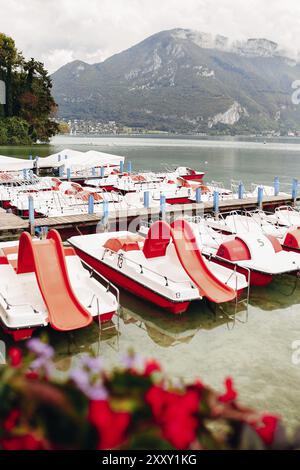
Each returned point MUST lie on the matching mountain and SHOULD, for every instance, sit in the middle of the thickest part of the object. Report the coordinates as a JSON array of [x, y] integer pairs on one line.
[[185, 81]]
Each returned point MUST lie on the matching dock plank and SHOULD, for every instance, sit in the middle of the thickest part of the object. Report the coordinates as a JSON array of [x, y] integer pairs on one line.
[[174, 210], [11, 222]]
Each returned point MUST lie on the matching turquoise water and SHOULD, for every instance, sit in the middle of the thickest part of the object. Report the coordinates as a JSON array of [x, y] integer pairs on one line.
[[201, 343]]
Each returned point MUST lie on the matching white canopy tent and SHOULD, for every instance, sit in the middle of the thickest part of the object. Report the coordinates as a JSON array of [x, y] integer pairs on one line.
[[106, 158], [58, 159], [79, 160], [14, 164]]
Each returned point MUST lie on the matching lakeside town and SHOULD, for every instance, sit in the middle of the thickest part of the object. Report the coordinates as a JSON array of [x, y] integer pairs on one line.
[[82, 127]]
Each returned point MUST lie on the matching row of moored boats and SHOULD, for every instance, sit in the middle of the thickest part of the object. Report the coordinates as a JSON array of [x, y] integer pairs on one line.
[[114, 190], [43, 282]]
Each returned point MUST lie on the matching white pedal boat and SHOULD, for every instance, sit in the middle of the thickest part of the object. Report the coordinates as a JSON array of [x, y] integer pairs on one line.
[[160, 268], [42, 284], [258, 222], [262, 255], [285, 216]]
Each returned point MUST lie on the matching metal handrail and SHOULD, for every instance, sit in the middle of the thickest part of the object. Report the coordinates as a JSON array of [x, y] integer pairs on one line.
[[145, 268], [109, 284], [9, 305]]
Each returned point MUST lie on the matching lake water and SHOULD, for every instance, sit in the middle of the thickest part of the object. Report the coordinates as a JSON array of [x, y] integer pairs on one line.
[[256, 161], [257, 353]]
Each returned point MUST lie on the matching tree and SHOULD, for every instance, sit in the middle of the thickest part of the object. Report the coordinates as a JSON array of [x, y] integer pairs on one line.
[[10, 59], [28, 92], [64, 128], [37, 103]]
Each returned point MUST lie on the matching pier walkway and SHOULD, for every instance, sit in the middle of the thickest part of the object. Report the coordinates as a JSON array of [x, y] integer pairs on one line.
[[12, 225]]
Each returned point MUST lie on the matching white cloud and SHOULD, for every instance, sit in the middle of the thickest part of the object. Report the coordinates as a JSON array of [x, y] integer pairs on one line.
[[57, 32]]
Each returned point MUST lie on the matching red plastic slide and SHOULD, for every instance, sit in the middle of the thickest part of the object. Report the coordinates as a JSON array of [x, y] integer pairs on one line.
[[190, 257], [47, 260], [193, 263]]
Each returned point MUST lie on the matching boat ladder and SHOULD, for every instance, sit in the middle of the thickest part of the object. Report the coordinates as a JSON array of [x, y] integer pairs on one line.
[[237, 302], [114, 324]]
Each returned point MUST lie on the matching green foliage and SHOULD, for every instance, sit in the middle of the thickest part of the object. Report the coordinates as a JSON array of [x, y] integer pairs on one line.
[[14, 131], [28, 113]]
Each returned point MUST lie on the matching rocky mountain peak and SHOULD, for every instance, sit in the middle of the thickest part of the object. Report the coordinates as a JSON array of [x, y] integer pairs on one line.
[[253, 47], [185, 80]]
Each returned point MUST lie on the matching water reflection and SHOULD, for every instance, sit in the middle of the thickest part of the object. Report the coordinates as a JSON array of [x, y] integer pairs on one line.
[[282, 293], [167, 330]]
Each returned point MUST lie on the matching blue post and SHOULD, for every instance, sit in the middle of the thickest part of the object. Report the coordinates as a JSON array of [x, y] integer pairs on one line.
[[105, 209], [241, 191], [93, 171], [129, 168], [31, 211], [260, 195], [44, 232], [30, 157], [216, 202], [198, 195], [162, 204], [147, 199], [122, 167], [61, 171], [276, 186], [58, 158], [91, 204], [68, 174], [24, 173], [102, 170], [295, 189]]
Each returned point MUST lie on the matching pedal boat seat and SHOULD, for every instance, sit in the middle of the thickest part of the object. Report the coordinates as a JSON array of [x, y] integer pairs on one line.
[[128, 243]]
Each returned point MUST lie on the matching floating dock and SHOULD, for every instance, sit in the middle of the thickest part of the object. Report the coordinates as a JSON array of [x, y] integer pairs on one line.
[[12, 225]]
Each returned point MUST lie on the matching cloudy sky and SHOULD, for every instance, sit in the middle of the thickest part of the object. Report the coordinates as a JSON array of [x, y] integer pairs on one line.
[[58, 31]]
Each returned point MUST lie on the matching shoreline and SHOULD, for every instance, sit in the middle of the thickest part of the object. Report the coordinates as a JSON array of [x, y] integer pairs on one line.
[[89, 139]]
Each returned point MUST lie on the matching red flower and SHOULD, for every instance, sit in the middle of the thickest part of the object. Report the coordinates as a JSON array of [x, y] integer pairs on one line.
[[179, 423], [230, 394], [175, 413], [151, 366], [266, 429], [31, 375], [111, 425], [15, 356], [156, 397], [180, 431], [198, 385], [11, 420], [27, 442]]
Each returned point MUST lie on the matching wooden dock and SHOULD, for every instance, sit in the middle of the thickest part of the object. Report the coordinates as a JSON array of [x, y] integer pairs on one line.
[[12, 225], [120, 220]]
